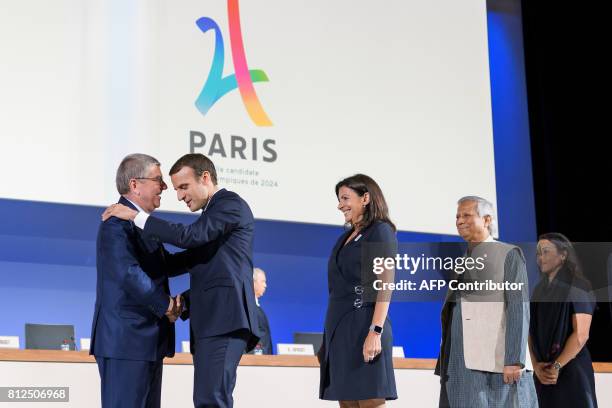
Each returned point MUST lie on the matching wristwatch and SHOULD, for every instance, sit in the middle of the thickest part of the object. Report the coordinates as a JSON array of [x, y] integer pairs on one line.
[[557, 365], [376, 329]]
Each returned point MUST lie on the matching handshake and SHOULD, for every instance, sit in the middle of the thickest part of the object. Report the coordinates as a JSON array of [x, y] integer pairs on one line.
[[175, 308]]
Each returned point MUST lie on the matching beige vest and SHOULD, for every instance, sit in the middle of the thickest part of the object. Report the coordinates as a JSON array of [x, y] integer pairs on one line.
[[483, 311]]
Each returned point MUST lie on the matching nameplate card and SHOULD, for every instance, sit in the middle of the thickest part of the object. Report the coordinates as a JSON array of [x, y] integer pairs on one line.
[[11, 342], [398, 351], [185, 347], [85, 343], [295, 349]]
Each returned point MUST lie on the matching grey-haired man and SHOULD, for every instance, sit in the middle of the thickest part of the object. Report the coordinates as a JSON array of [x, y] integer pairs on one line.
[[483, 358]]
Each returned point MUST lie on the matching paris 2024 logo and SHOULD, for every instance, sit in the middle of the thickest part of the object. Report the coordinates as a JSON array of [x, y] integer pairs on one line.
[[217, 85]]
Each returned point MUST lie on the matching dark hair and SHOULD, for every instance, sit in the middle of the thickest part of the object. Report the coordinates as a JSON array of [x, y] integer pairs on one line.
[[563, 244], [376, 209], [199, 163]]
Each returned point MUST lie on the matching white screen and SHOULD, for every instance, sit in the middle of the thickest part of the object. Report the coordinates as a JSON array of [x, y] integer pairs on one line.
[[398, 90]]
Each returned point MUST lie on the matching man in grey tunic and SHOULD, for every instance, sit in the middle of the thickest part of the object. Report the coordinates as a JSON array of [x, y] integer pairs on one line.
[[483, 355]]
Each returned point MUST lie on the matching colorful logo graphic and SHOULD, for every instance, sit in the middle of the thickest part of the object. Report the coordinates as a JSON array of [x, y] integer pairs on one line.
[[216, 85]]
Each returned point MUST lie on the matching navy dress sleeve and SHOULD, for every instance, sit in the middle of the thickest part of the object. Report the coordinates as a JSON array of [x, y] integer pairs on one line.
[[582, 299], [381, 243]]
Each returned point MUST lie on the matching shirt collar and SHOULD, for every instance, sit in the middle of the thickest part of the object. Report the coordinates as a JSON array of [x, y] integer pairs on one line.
[[210, 199], [137, 206]]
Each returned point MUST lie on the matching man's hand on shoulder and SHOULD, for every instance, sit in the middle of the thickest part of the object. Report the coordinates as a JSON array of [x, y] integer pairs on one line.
[[119, 211]]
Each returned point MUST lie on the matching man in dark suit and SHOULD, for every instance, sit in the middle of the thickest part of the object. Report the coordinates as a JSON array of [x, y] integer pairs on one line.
[[220, 302], [133, 323], [264, 346]]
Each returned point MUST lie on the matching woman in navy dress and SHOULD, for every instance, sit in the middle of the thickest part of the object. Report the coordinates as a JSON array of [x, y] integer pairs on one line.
[[356, 360], [561, 310]]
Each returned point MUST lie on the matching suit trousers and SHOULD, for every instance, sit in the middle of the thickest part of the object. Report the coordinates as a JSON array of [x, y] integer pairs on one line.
[[215, 361], [130, 383]]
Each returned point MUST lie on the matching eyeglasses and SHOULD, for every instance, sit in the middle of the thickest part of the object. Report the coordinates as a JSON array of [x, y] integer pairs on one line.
[[158, 179]]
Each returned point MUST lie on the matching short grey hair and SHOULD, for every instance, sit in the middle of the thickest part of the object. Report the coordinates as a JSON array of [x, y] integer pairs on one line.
[[133, 166], [484, 207], [257, 271]]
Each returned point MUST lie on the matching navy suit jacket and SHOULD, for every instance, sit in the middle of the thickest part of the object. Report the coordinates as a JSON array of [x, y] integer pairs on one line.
[[132, 294], [264, 328], [221, 298]]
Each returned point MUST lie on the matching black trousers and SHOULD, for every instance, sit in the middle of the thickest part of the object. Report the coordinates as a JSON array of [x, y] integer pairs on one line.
[[215, 361]]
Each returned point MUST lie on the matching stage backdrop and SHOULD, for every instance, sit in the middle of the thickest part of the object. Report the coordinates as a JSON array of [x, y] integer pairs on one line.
[[400, 92], [287, 97]]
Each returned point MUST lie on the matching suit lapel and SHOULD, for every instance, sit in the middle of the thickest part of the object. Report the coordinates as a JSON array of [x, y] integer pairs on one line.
[[339, 246]]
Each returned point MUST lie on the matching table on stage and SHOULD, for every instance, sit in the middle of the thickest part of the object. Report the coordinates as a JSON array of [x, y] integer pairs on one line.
[[272, 381]]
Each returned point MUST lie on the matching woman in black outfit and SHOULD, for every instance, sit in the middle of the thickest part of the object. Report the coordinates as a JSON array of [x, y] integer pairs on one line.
[[561, 310], [356, 360]]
